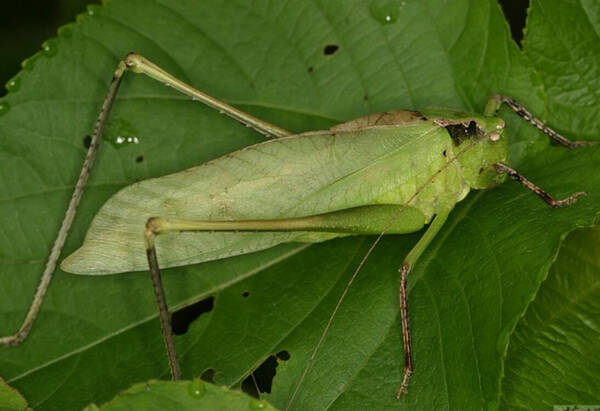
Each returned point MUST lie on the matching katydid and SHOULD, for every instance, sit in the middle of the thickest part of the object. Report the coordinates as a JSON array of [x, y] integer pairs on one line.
[[386, 173]]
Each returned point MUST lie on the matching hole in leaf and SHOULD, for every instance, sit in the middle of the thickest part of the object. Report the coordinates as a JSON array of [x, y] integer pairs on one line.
[[261, 379], [139, 159], [311, 69], [208, 376], [515, 12], [246, 294], [181, 319], [283, 355], [330, 49], [87, 140]]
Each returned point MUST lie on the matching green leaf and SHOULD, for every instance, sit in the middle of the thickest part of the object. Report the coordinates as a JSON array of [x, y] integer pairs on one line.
[[182, 395], [10, 399], [553, 354], [97, 336], [568, 62]]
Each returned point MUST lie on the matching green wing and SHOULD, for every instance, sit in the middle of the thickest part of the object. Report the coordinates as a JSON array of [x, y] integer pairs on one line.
[[301, 175]]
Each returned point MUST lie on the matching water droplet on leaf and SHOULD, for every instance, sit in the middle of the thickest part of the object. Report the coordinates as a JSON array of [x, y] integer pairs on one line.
[[258, 405], [27, 64], [4, 107], [121, 133], [196, 388], [13, 84], [49, 48], [66, 30], [385, 11], [121, 141], [93, 9]]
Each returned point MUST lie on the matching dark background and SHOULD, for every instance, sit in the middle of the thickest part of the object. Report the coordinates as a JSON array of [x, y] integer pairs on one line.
[[27, 23], [24, 26]]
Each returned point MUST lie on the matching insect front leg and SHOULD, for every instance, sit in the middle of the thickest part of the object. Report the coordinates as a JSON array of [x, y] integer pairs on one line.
[[407, 265], [496, 101]]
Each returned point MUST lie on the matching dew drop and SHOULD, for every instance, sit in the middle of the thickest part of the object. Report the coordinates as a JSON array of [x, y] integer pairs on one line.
[[93, 9], [197, 388], [49, 48], [122, 141], [258, 405], [121, 133], [66, 31], [27, 64], [13, 84], [385, 11], [4, 107]]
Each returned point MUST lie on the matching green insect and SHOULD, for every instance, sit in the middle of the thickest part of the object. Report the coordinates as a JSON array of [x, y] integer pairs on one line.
[[386, 173]]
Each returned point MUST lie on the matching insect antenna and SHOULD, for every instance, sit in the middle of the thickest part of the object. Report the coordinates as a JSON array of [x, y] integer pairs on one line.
[[364, 260]]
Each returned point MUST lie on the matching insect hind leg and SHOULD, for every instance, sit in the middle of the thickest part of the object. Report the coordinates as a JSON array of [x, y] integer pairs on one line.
[[161, 300], [140, 64], [47, 274], [409, 262]]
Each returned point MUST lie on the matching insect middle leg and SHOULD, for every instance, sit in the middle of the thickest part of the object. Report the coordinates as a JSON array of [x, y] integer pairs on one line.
[[409, 262], [544, 195]]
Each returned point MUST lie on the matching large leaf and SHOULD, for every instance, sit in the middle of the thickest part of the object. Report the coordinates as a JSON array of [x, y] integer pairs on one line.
[[96, 336], [552, 354], [557, 342]]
